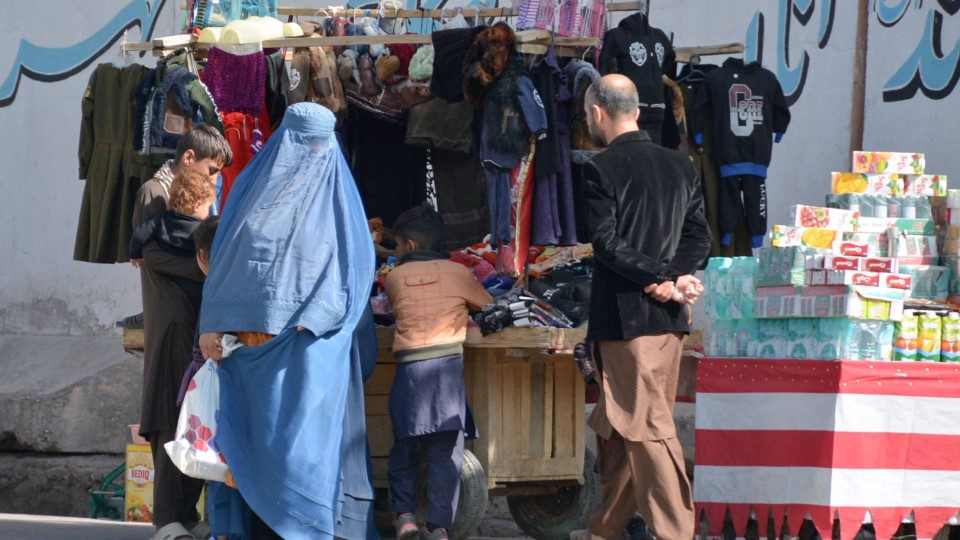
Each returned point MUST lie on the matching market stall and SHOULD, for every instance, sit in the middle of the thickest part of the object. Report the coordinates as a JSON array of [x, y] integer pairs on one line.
[[831, 370], [526, 391]]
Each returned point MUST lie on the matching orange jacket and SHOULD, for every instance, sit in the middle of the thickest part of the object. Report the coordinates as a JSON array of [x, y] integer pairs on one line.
[[430, 299]]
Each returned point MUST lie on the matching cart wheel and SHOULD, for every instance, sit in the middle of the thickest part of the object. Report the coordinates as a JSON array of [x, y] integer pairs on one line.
[[472, 506], [552, 517], [471, 509]]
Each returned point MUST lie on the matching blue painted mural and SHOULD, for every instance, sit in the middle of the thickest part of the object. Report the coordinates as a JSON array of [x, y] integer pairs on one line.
[[931, 69], [49, 64]]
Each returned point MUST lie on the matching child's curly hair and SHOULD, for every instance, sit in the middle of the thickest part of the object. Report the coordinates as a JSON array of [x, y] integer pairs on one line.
[[189, 190]]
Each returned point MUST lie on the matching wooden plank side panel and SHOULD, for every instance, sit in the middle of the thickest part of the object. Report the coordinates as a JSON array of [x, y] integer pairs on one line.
[[509, 414], [548, 414], [380, 435], [538, 410], [380, 380], [376, 404], [564, 408], [522, 388]]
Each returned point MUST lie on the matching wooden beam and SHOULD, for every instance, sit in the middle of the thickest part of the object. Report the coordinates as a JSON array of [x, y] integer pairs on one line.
[[346, 40], [625, 6], [685, 54], [173, 42], [394, 14], [859, 97]]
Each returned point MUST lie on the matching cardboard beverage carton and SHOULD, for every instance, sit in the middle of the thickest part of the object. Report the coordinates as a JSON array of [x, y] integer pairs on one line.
[[906, 336], [926, 185], [138, 487], [888, 162], [928, 343], [785, 236], [872, 184], [824, 218]]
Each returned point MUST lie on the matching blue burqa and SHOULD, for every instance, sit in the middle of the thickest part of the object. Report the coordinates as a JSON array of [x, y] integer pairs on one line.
[[293, 249]]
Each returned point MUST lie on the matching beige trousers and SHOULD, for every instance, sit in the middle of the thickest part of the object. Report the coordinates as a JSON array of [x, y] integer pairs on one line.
[[639, 457]]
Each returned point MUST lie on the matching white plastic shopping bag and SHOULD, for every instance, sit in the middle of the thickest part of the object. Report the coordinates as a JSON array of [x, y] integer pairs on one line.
[[194, 450]]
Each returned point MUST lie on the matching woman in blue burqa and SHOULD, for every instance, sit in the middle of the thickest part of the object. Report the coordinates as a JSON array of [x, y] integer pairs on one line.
[[291, 268]]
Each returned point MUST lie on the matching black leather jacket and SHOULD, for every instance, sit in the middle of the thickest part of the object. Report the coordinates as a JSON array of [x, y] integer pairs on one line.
[[647, 226]]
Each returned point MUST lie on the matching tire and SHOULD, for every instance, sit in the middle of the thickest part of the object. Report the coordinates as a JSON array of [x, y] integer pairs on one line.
[[472, 506], [552, 517], [471, 509]]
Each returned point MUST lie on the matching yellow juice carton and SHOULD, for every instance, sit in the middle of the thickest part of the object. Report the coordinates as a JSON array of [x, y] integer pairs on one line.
[[905, 337], [928, 344], [138, 503], [950, 343]]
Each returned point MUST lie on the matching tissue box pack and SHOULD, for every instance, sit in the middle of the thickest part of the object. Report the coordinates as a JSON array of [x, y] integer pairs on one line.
[[729, 284], [929, 282], [863, 245], [918, 227], [888, 162], [770, 339], [952, 264], [784, 266], [882, 205], [732, 339], [872, 303], [846, 262], [824, 218], [785, 236], [858, 277], [926, 185], [876, 184], [913, 250]]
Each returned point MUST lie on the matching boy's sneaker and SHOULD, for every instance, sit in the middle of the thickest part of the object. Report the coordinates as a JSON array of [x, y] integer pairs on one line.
[[406, 524], [437, 534]]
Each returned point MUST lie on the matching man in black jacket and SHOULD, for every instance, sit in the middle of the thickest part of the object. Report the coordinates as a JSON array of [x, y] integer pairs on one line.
[[649, 235]]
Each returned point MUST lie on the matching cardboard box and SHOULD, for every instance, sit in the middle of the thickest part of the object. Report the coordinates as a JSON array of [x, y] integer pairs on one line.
[[913, 250], [918, 227], [951, 243], [888, 162], [138, 487], [859, 277], [841, 262], [925, 185], [786, 236], [876, 184], [873, 303], [929, 282], [824, 218], [880, 264], [779, 266], [862, 245]]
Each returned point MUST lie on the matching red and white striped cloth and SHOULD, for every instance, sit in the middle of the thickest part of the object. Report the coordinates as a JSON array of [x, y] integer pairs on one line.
[[819, 437]]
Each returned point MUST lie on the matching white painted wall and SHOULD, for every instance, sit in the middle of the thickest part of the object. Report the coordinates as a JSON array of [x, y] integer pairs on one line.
[[43, 291]]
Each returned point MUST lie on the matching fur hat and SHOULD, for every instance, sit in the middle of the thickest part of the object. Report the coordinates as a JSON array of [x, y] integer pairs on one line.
[[490, 55], [386, 67], [346, 64]]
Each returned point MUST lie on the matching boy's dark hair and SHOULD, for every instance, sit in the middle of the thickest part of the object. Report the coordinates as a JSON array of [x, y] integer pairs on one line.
[[422, 225], [204, 233], [206, 142]]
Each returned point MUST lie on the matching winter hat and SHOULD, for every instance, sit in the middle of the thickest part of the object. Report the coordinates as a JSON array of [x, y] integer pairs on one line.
[[346, 64], [386, 67], [489, 57], [421, 65], [405, 52]]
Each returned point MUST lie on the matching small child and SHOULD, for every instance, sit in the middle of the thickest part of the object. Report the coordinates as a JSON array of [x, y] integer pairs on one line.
[[431, 297], [191, 196]]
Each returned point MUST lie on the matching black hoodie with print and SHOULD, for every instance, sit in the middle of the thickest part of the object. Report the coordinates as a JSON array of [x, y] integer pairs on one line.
[[643, 54], [748, 109]]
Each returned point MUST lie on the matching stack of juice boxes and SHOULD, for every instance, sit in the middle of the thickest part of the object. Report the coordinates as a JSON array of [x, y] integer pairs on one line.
[[834, 281]]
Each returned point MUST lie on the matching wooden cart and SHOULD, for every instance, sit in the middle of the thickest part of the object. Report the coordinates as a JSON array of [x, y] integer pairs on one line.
[[527, 398]]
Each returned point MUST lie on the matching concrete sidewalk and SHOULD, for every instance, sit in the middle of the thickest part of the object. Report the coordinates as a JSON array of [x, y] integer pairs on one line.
[[24, 527], [27, 527]]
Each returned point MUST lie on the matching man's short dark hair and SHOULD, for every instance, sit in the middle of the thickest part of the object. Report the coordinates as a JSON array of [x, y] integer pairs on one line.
[[204, 233], [206, 142], [615, 101], [422, 225]]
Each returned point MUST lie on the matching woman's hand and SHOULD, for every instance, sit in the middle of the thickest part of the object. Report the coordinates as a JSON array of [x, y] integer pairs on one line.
[[211, 347]]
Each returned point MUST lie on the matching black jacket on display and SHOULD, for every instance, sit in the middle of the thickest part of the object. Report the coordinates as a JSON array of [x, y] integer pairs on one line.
[[646, 222], [748, 109], [643, 54]]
